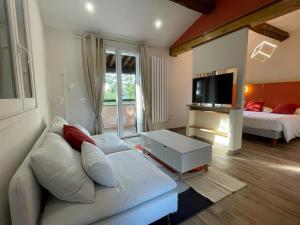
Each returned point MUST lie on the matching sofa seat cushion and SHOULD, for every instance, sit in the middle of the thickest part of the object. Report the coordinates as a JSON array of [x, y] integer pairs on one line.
[[110, 143], [139, 181]]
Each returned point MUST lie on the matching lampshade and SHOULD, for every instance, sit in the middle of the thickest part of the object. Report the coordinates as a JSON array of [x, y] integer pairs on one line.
[[263, 51]]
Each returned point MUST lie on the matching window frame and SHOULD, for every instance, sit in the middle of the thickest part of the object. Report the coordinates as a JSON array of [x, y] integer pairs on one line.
[[28, 103], [20, 104]]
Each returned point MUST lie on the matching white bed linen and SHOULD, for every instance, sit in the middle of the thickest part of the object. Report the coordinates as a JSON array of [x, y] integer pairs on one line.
[[288, 124]]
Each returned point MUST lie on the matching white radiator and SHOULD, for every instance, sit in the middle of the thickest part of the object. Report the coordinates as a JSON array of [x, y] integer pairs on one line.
[[160, 89]]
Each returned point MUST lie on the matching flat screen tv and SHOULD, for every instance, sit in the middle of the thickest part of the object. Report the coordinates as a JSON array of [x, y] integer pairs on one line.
[[213, 89]]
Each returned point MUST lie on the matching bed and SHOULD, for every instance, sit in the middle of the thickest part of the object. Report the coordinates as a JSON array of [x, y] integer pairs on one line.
[[271, 125]]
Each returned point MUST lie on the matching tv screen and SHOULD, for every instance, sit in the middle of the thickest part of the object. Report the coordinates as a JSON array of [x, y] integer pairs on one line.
[[213, 89]]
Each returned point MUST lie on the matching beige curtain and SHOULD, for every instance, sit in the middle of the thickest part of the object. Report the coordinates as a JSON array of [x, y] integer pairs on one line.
[[94, 70], [1, 61], [146, 88]]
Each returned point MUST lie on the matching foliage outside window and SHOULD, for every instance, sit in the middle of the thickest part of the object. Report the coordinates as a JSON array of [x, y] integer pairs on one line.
[[128, 89]]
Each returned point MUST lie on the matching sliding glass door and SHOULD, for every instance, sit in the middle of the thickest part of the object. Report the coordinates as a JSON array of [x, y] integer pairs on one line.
[[121, 112], [110, 106]]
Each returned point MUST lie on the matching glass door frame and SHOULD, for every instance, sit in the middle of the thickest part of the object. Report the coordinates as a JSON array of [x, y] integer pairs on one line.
[[120, 123]]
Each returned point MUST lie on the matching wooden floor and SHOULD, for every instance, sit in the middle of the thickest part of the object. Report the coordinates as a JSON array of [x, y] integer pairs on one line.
[[272, 194]]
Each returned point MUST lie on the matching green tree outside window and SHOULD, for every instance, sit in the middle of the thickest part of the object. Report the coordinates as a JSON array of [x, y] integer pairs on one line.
[[128, 86]]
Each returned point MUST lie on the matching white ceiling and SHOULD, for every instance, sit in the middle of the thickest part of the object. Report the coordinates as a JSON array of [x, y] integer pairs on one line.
[[254, 39], [131, 19], [289, 22]]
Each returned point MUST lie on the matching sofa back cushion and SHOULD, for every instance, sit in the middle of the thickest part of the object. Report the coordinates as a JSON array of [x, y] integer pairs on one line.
[[25, 193], [57, 125], [58, 168], [85, 131]]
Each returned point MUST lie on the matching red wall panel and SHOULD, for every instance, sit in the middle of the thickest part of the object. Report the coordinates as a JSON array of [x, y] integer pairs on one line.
[[225, 12], [274, 93]]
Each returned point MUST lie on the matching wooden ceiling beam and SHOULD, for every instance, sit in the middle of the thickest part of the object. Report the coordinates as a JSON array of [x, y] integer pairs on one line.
[[271, 31], [202, 6], [132, 63], [126, 60], [260, 16], [112, 60]]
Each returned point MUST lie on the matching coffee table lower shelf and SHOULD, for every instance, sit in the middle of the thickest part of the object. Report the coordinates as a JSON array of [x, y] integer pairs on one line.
[[179, 152], [168, 166]]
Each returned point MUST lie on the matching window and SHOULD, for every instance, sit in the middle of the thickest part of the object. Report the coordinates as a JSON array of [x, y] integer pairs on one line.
[[121, 111], [7, 80], [16, 73], [23, 48]]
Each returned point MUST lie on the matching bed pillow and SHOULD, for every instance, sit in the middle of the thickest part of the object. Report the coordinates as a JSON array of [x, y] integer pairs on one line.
[[57, 126], [297, 112], [97, 165], [255, 106], [285, 108], [267, 109], [58, 169], [75, 137]]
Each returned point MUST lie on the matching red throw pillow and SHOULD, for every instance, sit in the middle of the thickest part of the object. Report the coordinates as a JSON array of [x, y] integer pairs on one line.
[[75, 137], [285, 108], [255, 106]]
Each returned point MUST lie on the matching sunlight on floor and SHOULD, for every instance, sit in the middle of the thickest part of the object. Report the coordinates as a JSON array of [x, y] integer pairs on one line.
[[295, 169], [275, 166]]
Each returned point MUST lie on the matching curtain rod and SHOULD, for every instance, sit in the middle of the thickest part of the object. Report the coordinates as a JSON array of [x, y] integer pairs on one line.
[[112, 39]]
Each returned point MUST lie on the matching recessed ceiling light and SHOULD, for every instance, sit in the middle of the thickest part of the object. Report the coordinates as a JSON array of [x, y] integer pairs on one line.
[[89, 7], [158, 24]]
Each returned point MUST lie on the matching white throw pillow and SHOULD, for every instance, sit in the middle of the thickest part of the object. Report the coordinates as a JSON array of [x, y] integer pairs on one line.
[[97, 165], [297, 112], [85, 131], [58, 168], [57, 126]]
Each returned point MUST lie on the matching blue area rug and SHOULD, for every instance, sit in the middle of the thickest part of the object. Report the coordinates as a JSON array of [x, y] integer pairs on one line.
[[190, 203]]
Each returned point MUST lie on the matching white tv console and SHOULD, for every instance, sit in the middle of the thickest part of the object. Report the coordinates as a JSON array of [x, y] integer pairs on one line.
[[219, 125]]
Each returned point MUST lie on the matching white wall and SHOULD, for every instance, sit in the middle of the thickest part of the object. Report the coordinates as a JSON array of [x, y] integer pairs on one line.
[[18, 133], [64, 54], [180, 91], [229, 51], [225, 52], [159, 51], [282, 66], [180, 86]]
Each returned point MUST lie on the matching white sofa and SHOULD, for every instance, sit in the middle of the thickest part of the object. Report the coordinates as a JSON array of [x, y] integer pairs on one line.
[[144, 194]]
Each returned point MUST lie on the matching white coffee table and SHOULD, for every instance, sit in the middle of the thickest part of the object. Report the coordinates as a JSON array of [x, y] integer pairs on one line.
[[179, 152]]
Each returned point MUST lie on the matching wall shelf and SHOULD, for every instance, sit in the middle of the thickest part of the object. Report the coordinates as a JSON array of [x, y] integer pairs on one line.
[[220, 125], [213, 109]]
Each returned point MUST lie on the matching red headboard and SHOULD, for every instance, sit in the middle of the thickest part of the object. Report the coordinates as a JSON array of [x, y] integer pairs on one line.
[[274, 93]]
